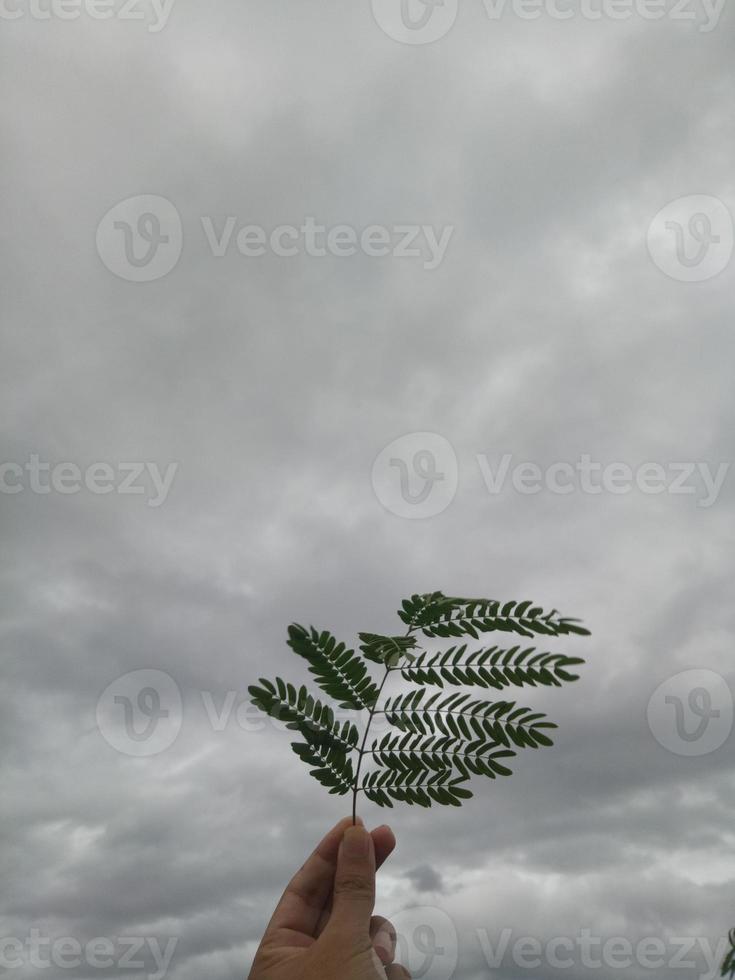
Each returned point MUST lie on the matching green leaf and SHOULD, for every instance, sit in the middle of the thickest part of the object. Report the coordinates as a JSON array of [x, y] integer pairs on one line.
[[417, 788], [338, 671], [479, 757], [491, 668], [302, 713], [501, 722], [438, 739], [388, 650], [438, 615], [333, 768]]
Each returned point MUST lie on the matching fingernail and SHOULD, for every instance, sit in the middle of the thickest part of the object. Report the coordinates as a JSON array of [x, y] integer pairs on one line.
[[356, 842]]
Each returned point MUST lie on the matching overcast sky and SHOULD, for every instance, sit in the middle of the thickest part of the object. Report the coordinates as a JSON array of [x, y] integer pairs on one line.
[[247, 247]]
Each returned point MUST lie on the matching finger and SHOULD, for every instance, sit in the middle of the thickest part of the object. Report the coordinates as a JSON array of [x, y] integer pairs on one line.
[[397, 972], [303, 901], [383, 935], [385, 843], [354, 887]]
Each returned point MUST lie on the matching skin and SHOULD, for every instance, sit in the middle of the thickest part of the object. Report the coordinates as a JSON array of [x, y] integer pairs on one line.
[[324, 927]]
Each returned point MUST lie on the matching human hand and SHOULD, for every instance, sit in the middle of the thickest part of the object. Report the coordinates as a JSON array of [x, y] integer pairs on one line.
[[323, 928]]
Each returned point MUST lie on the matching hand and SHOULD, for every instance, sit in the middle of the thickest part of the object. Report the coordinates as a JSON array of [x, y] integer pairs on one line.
[[323, 928]]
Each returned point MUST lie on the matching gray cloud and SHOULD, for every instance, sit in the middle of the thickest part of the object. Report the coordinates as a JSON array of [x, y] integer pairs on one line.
[[547, 332], [426, 879]]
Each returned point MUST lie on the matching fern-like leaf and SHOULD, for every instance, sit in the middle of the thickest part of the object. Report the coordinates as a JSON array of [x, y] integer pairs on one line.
[[338, 671], [437, 741], [438, 615], [479, 757], [493, 667], [333, 768], [303, 713], [420, 787], [458, 716]]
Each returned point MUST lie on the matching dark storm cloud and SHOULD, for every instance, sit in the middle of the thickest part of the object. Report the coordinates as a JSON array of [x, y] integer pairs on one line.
[[425, 879]]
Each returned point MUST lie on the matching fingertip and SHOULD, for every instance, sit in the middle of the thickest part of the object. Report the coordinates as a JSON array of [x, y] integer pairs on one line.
[[357, 842], [385, 832], [385, 842], [349, 822], [344, 824], [329, 845]]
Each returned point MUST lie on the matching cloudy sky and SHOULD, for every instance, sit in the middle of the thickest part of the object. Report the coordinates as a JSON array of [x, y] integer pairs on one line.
[[292, 293]]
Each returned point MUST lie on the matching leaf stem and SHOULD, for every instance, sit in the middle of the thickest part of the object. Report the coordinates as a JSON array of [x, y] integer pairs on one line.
[[362, 747], [373, 712]]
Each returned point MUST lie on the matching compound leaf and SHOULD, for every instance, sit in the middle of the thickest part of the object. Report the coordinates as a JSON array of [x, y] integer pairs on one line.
[[438, 740]]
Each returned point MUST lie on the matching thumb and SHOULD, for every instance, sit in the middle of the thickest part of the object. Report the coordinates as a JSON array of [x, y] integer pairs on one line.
[[354, 884]]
